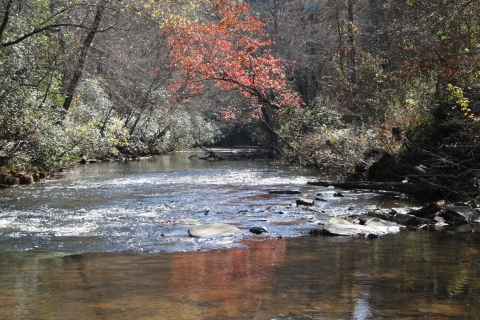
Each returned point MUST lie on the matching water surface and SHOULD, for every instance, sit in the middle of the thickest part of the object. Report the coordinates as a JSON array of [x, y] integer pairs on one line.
[[105, 242]]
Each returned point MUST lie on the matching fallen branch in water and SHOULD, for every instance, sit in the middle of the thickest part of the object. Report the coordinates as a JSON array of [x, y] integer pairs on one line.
[[412, 188]]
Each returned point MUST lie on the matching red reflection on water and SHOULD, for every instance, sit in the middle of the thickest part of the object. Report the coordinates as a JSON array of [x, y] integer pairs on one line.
[[233, 281]]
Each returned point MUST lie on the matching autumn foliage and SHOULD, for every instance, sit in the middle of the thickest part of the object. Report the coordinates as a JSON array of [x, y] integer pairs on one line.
[[233, 53]]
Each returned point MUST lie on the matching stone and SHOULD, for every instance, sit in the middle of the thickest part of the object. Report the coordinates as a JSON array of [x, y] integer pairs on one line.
[[382, 225], [341, 227], [379, 213], [305, 202], [459, 212], [427, 210], [374, 226], [473, 217], [404, 218], [214, 230], [258, 230]]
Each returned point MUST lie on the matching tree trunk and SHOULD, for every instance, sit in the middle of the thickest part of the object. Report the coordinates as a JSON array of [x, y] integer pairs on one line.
[[83, 54], [6, 17], [352, 75]]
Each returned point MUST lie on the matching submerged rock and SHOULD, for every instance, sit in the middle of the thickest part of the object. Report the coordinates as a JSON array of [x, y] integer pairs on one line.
[[214, 230]]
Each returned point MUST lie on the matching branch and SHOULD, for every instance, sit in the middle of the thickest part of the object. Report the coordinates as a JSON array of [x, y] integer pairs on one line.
[[39, 30], [250, 90]]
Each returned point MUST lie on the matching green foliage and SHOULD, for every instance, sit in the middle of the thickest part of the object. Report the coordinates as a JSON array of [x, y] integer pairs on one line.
[[296, 123], [180, 133], [29, 89], [457, 95]]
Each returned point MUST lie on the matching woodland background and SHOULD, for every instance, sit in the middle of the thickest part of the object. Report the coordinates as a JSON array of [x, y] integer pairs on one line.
[[372, 90]]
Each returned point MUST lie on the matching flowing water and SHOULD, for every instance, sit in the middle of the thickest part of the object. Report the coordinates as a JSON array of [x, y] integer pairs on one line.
[[107, 242]]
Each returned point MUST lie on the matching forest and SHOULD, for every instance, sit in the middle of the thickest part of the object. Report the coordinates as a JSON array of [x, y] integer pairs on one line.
[[361, 90]]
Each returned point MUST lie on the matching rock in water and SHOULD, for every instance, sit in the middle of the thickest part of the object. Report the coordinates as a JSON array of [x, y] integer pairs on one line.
[[305, 202], [258, 230], [214, 230], [374, 226], [404, 218]]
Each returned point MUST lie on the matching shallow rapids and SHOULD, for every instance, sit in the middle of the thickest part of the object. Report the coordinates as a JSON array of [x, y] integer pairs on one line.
[[136, 206]]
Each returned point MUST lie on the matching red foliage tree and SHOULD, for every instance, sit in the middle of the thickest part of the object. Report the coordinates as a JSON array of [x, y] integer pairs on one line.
[[232, 52]]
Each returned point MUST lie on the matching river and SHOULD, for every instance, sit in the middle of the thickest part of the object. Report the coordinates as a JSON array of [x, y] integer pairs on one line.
[[107, 242]]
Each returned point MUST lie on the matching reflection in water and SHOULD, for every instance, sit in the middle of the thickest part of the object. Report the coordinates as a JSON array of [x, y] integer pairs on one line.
[[362, 308], [409, 275], [230, 281], [72, 249]]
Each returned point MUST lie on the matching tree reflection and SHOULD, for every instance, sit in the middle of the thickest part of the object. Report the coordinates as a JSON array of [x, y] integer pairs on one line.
[[233, 281]]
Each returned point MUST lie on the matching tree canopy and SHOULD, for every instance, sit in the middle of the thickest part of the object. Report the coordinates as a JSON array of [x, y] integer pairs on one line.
[[334, 84]]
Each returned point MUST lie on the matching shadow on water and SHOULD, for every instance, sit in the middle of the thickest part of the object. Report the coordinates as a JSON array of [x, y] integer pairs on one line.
[[105, 243]]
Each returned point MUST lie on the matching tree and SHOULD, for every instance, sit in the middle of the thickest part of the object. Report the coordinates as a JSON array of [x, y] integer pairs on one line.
[[84, 49], [233, 53]]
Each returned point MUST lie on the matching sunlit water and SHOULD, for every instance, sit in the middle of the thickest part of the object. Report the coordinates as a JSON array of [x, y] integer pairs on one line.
[[105, 242], [136, 206]]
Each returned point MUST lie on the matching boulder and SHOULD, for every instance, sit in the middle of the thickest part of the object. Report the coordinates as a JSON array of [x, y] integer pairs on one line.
[[462, 212], [404, 218], [382, 225], [374, 226], [214, 230], [341, 227]]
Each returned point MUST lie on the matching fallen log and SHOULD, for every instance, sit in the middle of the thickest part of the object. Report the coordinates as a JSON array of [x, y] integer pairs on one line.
[[411, 188]]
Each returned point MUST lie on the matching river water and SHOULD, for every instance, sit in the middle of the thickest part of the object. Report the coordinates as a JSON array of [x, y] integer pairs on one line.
[[107, 242]]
